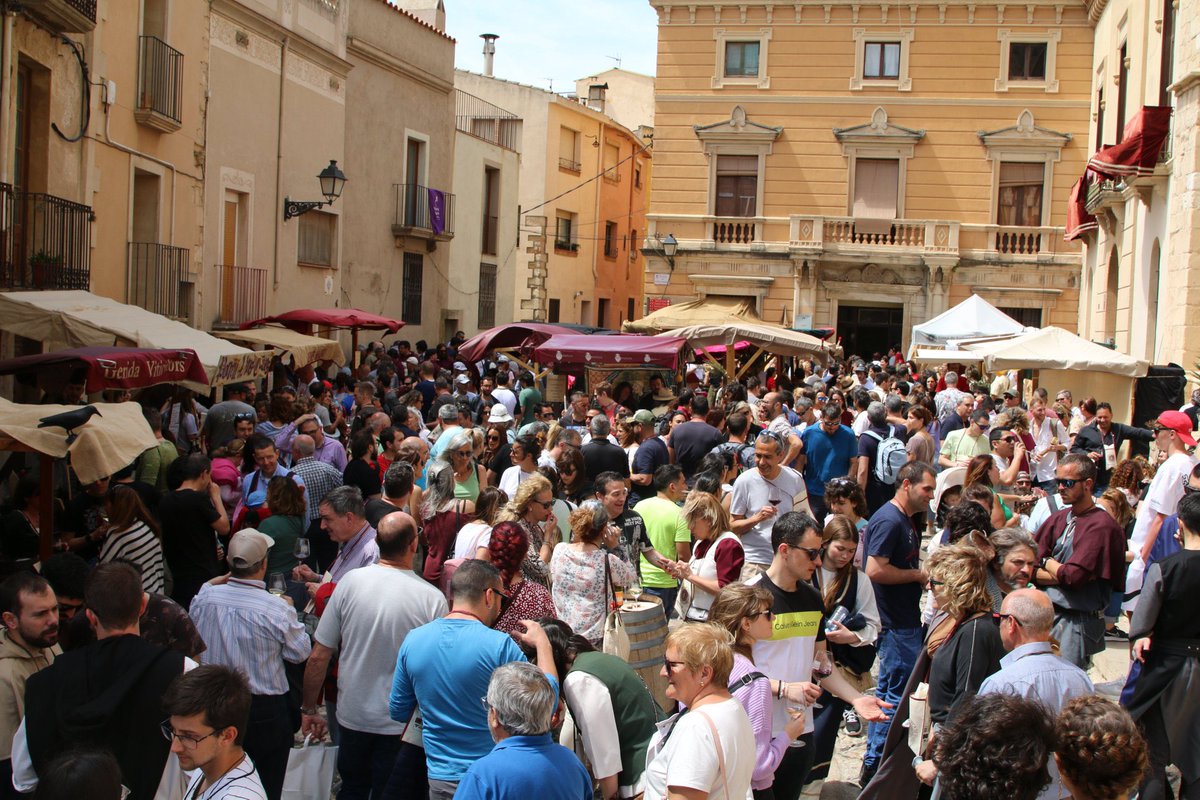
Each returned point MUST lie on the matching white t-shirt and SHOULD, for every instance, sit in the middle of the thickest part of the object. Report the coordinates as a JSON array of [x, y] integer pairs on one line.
[[1051, 430], [368, 616], [592, 716], [1163, 496], [751, 491], [471, 537], [512, 478], [688, 757], [860, 424], [505, 396]]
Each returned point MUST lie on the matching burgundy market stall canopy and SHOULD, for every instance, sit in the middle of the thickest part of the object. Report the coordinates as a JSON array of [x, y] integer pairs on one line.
[[110, 367], [517, 334], [1142, 141], [620, 351], [303, 319]]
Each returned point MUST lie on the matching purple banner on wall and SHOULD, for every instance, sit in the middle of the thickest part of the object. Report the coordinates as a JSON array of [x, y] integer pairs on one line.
[[437, 211]]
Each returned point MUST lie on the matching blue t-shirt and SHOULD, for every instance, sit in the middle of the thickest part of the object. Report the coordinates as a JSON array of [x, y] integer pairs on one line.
[[651, 454], [444, 667], [891, 535], [826, 456], [521, 767]]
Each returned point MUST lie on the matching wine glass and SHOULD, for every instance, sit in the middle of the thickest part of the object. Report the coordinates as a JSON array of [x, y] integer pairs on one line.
[[822, 666], [302, 549], [277, 584], [634, 590]]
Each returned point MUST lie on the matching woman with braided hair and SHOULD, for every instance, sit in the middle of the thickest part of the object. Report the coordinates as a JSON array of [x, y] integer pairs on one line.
[[508, 548], [1101, 754]]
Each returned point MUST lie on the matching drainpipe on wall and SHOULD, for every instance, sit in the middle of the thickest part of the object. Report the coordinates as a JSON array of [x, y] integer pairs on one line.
[[6, 61], [283, 54]]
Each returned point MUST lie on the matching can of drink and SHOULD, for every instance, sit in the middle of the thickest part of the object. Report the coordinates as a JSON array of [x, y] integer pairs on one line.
[[839, 616]]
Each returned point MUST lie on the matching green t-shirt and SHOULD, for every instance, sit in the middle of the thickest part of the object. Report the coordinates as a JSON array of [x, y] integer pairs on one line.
[[665, 527], [529, 401]]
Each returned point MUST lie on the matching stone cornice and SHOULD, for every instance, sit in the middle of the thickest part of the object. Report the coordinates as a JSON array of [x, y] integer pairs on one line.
[[385, 60], [297, 43], [733, 12]]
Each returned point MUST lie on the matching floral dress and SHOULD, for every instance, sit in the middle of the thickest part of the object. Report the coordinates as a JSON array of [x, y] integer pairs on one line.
[[529, 601], [533, 568], [581, 595]]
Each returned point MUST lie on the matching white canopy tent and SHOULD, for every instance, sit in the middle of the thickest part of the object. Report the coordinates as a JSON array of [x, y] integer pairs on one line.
[[1056, 349], [970, 319], [81, 319]]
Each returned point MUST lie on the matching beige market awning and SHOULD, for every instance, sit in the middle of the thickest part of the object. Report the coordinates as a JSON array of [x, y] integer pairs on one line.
[[83, 319], [298, 347], [709, 311], [775, 340], [1055, 348], [106, 443]]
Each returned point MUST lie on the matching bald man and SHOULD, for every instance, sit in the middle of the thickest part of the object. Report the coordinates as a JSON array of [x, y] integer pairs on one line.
[[1031, 669]]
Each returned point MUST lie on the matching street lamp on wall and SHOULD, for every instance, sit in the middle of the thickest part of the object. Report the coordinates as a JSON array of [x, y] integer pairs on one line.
[[332, 181], [668, 247]]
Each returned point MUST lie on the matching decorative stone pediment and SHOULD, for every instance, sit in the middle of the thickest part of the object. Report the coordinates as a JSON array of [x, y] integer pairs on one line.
[[737, 129], [878, 131], [1025, 134]]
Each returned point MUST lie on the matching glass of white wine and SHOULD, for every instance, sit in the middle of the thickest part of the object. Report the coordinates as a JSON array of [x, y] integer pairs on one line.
[[302, 549], [277, 584], [634, 590]]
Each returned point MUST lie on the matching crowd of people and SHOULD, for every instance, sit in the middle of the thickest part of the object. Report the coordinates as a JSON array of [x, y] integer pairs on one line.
[[421, 559]]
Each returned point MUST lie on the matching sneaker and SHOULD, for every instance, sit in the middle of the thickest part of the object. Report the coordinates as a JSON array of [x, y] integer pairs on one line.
[[1115, 634], [853, 723]]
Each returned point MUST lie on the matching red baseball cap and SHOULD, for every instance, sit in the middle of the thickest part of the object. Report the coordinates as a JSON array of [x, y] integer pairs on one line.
[[1180, 423]]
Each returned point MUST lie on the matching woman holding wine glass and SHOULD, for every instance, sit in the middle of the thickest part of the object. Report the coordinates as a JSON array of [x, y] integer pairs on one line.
[[286, 524], [718, 557]]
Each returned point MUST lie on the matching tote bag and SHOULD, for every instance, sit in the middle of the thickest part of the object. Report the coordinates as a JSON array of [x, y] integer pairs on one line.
[[309, 771]]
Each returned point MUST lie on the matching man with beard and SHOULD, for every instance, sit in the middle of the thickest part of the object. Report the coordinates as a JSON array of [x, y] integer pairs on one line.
[[1014, 564], [28, 643]]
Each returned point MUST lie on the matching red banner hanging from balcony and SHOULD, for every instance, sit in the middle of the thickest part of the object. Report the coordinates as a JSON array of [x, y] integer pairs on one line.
[[1137, 154], [1079, 221]]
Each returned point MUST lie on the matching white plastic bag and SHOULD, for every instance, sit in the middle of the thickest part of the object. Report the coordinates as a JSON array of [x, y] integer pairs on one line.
[[309, 771]]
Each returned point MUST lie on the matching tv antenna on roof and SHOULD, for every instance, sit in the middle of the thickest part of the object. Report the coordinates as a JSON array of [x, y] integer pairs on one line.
[[616, 59], [551, 81]]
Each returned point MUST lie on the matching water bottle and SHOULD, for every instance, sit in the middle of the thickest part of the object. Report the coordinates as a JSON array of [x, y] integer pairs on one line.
[[839, 616]]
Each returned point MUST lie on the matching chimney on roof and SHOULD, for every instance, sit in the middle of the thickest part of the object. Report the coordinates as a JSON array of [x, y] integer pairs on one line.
[[489, 51]]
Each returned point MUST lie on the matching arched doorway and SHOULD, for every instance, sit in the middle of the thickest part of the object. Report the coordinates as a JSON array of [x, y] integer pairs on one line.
[[1110, 295]]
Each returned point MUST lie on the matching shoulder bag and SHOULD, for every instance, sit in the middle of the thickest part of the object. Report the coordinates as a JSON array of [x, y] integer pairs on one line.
[[616, 640]]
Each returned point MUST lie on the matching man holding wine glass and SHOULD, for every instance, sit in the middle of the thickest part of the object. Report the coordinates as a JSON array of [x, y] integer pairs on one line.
[[795, 657], [760, 495]]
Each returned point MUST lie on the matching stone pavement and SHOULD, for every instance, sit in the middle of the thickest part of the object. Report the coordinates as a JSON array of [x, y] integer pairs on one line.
[[1107, 673]]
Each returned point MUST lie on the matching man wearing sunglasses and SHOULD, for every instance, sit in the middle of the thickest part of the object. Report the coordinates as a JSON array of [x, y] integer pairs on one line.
[[1101, 440], [220, 422], [962, 445], [444, 667], [798, 634], [1081, 552]]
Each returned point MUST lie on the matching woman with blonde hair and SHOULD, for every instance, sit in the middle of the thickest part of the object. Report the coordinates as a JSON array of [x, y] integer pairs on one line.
[[707, 751], [532, 507], [745, 611], [963, 643], [585, 574], [718, 556]]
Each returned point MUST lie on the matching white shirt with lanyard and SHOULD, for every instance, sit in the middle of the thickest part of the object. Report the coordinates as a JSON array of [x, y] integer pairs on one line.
[[239, 783]]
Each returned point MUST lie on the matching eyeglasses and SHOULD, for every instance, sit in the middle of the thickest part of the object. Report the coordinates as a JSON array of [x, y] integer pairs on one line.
[[542, 503], [244, 416], [1001, 617], [464, 453], [1067, 483], [672, 665], [187, 740], [505, 600], [768, 613], [813, 553], [486, 704]]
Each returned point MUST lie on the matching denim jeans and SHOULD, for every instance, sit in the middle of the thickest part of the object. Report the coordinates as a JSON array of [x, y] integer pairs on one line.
[[365, 762], [898, 649], [666, 595]]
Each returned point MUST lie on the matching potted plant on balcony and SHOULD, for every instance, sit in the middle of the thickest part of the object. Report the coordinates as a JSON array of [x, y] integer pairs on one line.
[[42, 266]]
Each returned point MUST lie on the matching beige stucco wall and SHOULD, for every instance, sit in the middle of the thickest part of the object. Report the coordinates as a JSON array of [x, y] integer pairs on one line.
[[953, 63], [268, 138], [401, 86], [472, 156], [629, 99]]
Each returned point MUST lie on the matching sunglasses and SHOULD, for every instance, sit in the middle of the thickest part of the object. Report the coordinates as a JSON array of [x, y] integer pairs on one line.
[[1066, 483], [768, 613], [813, 553], [935, 583], [244, 417], [672, 665], [546, 504], [1001, 617]]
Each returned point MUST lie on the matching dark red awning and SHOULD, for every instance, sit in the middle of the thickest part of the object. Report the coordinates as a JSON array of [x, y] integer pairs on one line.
[[618, 350], [518, 334], [1137, 154], [111, 367], [302, 320], [1079, 221]]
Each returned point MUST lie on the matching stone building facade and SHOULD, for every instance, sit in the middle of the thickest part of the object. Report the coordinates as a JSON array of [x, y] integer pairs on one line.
[[866, 166]]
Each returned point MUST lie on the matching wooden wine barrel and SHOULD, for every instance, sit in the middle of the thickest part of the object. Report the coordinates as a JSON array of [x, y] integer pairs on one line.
[[646, 626]]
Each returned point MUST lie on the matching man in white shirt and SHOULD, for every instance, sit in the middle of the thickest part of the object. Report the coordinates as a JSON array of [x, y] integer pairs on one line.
[[1172, 435], [366, 621], [760, 495], [503, 393], [1050, 438], [209, 711]]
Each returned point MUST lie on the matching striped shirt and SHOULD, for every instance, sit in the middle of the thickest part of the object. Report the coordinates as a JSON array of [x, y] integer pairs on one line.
[[248, 629], [139, 545], [240, 783], [319, 480]]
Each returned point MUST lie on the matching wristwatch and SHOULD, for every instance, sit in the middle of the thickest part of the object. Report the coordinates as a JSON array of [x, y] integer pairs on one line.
[[310, 711]]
